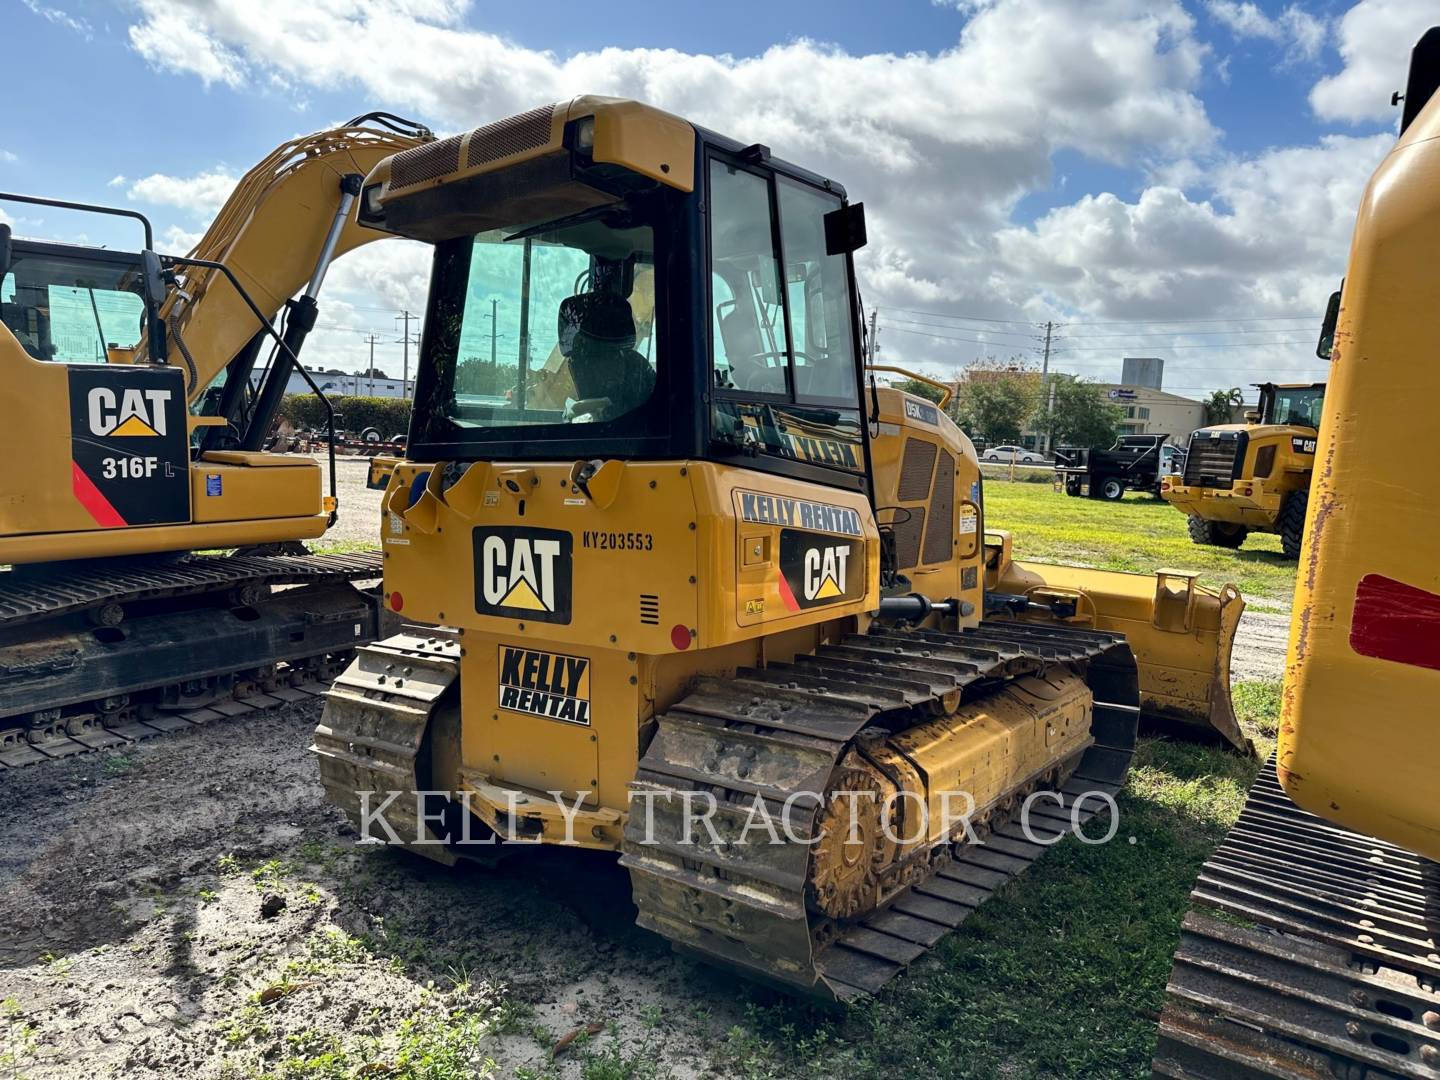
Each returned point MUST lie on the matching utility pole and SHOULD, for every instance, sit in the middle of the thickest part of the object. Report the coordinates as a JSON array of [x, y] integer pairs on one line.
[[370, 372], [874, 334], [494, 325], [1048, 387], [405, 368]]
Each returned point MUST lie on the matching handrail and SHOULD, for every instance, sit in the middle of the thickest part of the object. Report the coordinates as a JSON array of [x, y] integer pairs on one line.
[[945, 392]]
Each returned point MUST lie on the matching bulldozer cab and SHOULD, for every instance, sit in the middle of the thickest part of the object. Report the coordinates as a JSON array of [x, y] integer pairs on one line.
[[1296, 405], [580, 308]]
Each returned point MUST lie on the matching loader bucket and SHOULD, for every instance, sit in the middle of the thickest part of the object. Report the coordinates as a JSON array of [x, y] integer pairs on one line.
[[1181, 633]]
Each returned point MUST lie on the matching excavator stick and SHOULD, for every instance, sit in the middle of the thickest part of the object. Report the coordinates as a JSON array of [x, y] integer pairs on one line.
[[1181, 633]]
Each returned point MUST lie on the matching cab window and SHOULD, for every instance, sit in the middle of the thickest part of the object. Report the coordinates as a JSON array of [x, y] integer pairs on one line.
[[782, 337], [70, 308]]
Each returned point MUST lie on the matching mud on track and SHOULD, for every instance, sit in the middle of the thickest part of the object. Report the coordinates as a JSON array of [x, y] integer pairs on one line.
[[131, 890]]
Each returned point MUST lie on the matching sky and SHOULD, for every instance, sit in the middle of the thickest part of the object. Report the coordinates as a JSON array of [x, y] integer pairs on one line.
[[1172, 178]]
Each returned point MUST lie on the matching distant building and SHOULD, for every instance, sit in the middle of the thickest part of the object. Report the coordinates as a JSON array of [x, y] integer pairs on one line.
[[1151, 411], [1147, 371], [343, 384]]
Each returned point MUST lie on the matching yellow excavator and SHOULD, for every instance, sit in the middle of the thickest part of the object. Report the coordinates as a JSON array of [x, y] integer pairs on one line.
[[1314, 949], [694, 589], [138, 392]]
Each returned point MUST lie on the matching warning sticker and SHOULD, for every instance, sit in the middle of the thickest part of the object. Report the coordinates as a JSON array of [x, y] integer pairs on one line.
[[551, 685], [213, 485]]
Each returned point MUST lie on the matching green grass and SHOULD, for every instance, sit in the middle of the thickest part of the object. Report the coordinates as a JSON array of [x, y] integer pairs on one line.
[[1139, 533], [1062, 973]]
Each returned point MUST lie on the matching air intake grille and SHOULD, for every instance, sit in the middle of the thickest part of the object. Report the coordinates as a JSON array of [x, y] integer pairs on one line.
[[939, 538], [909, 524], [915, 470], [510, 136], [649, 609], [1211, 462], [421, 163]]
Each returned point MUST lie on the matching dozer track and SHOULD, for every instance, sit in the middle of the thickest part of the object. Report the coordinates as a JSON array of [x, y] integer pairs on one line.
[[783, 730], [98, 655], [1324, 962]]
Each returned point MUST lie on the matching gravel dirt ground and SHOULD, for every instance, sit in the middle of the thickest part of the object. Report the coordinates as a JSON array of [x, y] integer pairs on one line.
[[132, 887]]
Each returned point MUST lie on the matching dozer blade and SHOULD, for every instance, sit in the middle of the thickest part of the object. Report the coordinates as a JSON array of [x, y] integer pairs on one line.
[[1181, 635]]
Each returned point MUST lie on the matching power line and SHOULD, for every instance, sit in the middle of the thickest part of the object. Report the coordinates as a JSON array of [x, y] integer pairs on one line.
[[1113, 349], [968, 318], [1310, 318]]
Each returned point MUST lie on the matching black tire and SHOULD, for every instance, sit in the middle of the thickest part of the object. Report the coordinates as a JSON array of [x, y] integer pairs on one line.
[[1291, 523], [1112, 489], [370, 434], [1072, 485], [1216, 533]]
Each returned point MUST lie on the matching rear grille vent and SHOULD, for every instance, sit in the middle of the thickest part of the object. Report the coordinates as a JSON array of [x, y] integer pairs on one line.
[[421, 163], [512, 136], [915, 470], [1211, 462], [649, 609]]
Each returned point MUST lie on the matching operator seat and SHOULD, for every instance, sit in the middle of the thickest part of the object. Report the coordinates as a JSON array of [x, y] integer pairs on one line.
[[597, 336]]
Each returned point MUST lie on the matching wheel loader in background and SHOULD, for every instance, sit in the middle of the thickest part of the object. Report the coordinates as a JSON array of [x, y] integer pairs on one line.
[[691, 554], [1314, 950], [1252, 477], [136, 438]]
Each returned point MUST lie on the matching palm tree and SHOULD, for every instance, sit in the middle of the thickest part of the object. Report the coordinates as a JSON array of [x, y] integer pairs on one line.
[[1222, 405]]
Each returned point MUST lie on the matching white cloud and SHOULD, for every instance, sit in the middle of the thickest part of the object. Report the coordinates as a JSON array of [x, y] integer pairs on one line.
[[1294, 27], [1270, 241], [118, 180], [942, 147], [201, 195], [8, 157], [1375, 39], [60, 18]]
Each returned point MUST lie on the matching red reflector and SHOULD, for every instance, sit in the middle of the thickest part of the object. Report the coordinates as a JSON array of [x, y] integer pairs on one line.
[[397, 601], [680, 636], [1395, 621]]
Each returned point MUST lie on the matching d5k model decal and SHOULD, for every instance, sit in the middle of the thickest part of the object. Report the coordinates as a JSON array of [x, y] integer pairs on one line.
[[129, 450], [816, 569], [523, 573]]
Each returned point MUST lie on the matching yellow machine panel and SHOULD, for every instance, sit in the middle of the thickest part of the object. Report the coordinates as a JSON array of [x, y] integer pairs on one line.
[[1357, 739]]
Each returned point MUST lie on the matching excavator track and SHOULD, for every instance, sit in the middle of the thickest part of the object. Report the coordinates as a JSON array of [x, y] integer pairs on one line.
[[97, 655], [1324, 961], [776, 732]]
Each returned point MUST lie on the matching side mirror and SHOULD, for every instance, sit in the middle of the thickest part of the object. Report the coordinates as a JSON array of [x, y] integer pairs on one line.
[[4, 250], [154, 272], [845, 229], [1326, 345]]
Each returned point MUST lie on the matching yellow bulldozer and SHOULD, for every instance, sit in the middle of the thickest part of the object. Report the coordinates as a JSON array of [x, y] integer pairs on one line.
[[1252, 477], [138, 392], [693, 588], [1314, 949]]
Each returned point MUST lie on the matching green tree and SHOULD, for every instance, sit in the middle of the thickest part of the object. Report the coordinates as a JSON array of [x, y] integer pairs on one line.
[[475, 375], [1220, 405], [921, 389], [994, 401], [1079, 414]]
